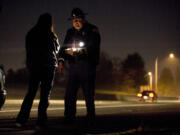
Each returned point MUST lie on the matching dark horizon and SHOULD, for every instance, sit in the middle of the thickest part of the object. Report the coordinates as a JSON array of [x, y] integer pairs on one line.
[[151, 28]]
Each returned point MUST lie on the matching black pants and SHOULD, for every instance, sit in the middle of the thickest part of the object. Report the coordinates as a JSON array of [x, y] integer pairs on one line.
[[44, 79], [80, 75]]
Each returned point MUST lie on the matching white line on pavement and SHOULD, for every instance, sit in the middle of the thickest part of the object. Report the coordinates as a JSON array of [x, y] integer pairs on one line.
[[97, 107], [19, 101]]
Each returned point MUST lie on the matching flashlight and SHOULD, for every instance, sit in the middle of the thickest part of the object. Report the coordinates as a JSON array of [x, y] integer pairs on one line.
[[77, 47], [81, 44]]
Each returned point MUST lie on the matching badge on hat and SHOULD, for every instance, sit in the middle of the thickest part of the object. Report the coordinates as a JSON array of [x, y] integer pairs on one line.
[[77, 13]]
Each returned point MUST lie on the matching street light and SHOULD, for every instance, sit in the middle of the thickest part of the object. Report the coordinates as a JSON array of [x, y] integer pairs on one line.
[[171, 56], [150, 80]]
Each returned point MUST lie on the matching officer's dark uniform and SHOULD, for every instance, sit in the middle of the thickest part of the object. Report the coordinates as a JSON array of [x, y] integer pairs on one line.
[[82, 68], [42, 48]]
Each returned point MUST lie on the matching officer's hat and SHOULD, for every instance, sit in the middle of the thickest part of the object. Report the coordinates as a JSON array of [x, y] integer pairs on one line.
[[77, 13]]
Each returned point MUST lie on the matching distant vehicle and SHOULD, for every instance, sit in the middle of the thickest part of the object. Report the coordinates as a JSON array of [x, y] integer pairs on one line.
[[147, 95], [2, 87]]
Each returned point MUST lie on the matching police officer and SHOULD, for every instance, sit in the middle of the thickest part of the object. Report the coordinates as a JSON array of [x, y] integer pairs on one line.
[[42, 48], [81, 49]]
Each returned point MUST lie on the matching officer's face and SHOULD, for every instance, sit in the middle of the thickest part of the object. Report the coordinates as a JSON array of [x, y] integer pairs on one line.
[[78, 23]]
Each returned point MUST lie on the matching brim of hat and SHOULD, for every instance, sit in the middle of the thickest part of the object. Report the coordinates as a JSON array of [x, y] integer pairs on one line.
[[71, 18]]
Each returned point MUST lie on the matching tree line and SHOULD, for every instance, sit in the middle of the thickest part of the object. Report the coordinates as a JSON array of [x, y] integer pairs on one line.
[[113, 73]]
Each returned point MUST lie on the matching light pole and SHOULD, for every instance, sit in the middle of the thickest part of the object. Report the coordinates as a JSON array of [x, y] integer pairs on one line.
[[156, 74], [171, 56], [150, 80]]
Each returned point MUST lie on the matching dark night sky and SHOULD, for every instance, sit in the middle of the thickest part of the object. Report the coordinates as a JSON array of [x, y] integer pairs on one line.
[[149, 27]]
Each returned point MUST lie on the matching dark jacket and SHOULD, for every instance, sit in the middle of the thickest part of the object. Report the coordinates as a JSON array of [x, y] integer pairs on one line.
[[42, 48], [89, 34], [2, 79]]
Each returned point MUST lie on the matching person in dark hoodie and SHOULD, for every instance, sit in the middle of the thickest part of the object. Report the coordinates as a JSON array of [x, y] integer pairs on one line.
[[81, 49], [42, 50]]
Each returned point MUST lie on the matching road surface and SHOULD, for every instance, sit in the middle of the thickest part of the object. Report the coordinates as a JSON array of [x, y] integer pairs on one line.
[[113, 117]]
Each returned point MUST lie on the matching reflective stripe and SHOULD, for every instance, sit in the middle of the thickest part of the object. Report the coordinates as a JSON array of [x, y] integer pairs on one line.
[[60, 59]]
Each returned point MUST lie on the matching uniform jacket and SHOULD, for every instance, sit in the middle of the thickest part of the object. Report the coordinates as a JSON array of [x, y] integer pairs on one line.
[[90, 36]]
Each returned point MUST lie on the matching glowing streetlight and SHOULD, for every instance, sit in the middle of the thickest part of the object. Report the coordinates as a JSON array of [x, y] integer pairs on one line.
[[149, 73], [171, 56]]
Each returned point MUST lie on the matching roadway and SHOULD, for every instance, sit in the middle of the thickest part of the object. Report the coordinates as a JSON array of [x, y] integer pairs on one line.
[[112, 117]]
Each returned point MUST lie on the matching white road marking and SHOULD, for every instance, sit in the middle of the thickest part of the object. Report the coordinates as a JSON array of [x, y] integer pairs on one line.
[[97, 107], [19, 101]]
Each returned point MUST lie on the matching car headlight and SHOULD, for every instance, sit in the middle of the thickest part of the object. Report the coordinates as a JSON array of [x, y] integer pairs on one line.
[[145, 97], [139, 95]]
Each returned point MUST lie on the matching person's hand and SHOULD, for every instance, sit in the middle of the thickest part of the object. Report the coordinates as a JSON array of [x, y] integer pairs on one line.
[[81, 51], [69, 51], [60, 68]]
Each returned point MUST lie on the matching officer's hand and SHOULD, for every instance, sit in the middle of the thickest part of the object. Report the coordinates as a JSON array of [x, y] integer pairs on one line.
[[70, 51], [81, 51], [60, 68]]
